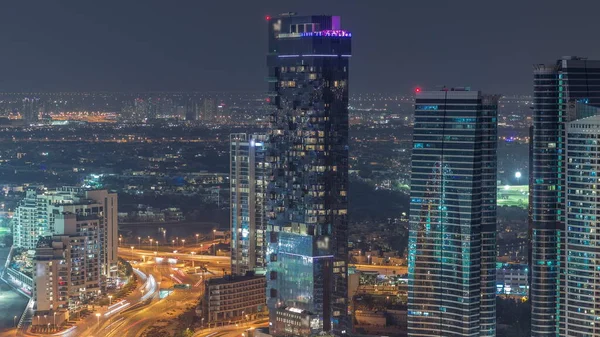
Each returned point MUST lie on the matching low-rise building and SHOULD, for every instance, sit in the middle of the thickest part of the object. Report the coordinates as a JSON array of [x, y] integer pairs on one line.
[[295, 322], [512, 279], [234, 298]]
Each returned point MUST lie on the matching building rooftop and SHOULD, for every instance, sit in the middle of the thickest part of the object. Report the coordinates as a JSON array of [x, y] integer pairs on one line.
[[233, 279]]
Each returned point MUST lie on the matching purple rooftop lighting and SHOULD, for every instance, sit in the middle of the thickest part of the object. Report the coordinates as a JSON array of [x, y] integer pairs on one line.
[[336, 33]]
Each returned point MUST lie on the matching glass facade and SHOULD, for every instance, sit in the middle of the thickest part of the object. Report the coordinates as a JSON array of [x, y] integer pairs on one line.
[[558, 91], [307, 202], [581, 268], [452, 234], [248, 176]]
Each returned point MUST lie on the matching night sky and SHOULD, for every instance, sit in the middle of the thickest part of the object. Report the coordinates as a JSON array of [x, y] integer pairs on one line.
[[220, 45]]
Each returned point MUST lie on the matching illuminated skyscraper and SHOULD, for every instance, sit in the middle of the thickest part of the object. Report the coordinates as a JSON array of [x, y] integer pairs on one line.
[[210, 110], [580, 298], [247, 172], [452, 237], [563, 92], [307, 252], [31, 109]]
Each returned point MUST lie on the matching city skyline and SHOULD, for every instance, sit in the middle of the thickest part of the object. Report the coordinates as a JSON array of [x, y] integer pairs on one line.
[[299, 209], [127, 47]]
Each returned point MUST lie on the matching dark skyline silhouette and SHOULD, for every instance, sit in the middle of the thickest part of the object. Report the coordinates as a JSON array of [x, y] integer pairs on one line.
[[221, 45]]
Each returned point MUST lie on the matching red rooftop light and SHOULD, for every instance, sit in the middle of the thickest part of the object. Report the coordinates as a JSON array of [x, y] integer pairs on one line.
[[268, 17], [417, 89]]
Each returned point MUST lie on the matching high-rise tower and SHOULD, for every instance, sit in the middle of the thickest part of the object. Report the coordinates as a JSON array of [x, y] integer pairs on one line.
[[582, 245], [248, 174], [452, 237], [307, 252], [558, 88]]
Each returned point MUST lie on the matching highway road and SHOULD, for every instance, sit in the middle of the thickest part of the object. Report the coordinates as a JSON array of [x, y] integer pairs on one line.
[[134, 321], [232, 331], [216, 265]]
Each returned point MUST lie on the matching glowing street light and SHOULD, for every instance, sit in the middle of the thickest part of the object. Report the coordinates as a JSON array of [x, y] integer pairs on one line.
[[197, 236], [98, 318], [15, 321], [109, 300], [183, 242], [214, 234], [132, 252], [139, 242]]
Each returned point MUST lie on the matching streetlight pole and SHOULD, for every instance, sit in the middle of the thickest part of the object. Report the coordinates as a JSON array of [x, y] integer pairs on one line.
[[139, 242], [214, 234], [132, 252], [182, 243], [173, 241], [15, 321], [98, 318], [54, 320], [197, 236]]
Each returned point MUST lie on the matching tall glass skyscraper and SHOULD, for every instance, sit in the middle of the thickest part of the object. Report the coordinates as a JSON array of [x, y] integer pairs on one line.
[[307, 252], [582, 242], [559, 91], [452, 235], [248, 171]]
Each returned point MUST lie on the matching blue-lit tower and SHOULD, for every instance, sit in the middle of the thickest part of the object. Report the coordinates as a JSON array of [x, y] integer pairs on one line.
[[452, 234], [308, 60], [564, 91]]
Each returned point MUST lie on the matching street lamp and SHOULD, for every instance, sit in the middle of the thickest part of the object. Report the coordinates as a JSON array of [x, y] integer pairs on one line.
[[182, 242], [197, 236], [15, 321], [120, 241], [139, 242], [214, 234], [98, 318], [132, 252], [109, 300], [54, 320]]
